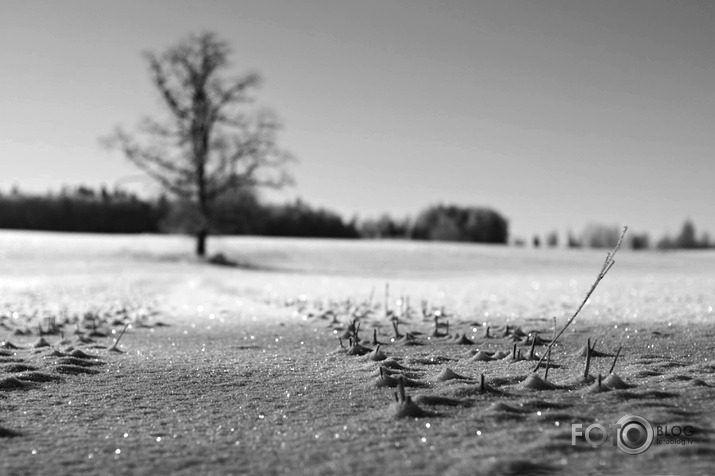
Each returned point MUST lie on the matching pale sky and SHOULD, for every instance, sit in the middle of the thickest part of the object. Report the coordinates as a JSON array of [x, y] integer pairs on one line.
[[555, 113]]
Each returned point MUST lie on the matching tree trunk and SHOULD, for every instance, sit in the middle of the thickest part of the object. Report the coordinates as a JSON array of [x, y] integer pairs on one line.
[[201, 242]]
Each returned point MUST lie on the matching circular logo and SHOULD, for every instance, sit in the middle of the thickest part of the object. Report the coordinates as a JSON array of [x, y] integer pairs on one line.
[[635, 434]]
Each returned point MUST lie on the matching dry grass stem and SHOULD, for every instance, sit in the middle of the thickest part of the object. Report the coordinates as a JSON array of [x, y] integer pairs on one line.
[[607, 265], [615, 359]]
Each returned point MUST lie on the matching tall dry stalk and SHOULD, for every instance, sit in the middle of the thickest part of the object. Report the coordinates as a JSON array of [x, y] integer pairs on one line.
[[607, 265]]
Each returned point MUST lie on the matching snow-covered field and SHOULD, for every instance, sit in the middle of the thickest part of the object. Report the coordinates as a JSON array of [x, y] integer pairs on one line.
[[248, 375]]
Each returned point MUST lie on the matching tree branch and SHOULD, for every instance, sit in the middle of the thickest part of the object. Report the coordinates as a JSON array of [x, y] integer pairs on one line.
[[160, 79]]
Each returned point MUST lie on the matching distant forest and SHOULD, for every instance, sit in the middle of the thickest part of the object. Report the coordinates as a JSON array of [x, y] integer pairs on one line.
[[85, 209]]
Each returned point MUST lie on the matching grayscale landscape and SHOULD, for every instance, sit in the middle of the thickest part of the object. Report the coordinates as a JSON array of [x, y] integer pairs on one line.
[[239, 370], [375, 237]]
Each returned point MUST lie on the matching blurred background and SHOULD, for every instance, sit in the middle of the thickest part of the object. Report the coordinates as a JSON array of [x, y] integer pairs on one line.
[[548, 124]]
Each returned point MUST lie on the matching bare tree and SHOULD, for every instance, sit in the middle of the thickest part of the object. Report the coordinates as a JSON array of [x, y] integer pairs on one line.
[[210, 139]]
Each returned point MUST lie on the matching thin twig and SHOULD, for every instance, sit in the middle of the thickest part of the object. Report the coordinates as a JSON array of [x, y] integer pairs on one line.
[[116, 343], [588, 358], [607, 265], [615, 359], [531, 351], [554, 335], [387, 299]]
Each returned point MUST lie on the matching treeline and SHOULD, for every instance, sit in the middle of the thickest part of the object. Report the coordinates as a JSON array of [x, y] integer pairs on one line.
[[241, 213], [605, 236], [442, 223], [83, 209], [686, 239]]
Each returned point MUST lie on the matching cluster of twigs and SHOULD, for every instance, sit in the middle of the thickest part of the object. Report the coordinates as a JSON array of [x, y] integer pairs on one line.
[[402, 313]]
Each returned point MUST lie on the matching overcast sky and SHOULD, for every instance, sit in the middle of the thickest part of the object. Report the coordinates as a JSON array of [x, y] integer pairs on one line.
[[555, 113]]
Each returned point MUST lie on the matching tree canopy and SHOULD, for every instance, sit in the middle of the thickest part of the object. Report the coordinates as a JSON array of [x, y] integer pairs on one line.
[[210, 139]]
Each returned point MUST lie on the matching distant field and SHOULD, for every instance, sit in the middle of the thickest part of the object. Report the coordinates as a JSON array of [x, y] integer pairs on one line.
[[501, 280], [247, 378], [368, 258]]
